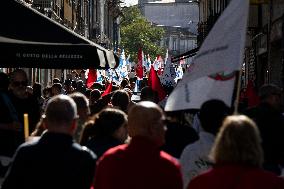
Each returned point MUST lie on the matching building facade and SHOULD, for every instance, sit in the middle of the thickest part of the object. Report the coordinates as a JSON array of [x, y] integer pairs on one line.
[[264, 53], [96, 20], [178, 18]]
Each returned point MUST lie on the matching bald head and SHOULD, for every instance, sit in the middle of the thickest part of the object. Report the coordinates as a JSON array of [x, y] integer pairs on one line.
[[146, 119], [61, 111]]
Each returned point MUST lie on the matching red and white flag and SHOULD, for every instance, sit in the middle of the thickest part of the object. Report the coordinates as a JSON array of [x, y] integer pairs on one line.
[[222, 51]]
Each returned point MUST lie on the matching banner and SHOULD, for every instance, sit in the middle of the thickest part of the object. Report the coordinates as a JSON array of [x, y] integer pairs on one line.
[[222, 51]]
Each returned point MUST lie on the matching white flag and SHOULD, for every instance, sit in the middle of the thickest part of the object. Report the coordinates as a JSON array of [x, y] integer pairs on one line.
[[222, 51], [200, 90], [169, 74]]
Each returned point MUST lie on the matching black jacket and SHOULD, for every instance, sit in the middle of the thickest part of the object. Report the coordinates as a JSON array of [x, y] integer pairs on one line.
[[54, 161], [270, 123]]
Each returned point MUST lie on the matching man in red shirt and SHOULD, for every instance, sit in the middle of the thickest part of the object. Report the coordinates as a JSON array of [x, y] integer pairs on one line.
[[140, 164]]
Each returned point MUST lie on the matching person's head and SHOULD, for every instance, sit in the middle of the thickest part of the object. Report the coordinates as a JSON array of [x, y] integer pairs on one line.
[[30, 90], [120, 99], [98, 86], [147, 119], [37, 90], [111, 122], [238, 142], [18, 83], [82, 105], [147, 94], [68, 86], [74, 84], [61, 115], [56, 89], [212, 114], [81, 87], [47, 92], [94, 96], [271, 94], [56, 80], [124, 83], [67, 82]]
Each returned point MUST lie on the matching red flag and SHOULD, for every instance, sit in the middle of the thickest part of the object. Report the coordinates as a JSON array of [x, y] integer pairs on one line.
[[108, 89], [251, 95], [155, 84], [92, 77], [139, 68]]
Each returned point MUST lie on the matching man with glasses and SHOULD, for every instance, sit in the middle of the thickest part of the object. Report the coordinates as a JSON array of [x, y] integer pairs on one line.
[[15, 101], [20, 103]]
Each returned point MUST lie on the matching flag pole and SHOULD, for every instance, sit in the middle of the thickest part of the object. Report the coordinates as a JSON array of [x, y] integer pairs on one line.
[[236, 103], [116, 73]]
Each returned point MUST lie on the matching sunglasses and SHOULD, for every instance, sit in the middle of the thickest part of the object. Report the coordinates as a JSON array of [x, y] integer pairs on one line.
[[20, 83]]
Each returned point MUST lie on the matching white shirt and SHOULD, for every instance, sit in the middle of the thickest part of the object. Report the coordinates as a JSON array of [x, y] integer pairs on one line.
[[194, 158]]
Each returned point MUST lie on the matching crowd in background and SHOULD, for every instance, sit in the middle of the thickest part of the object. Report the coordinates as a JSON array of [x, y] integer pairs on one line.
[[100, 138]]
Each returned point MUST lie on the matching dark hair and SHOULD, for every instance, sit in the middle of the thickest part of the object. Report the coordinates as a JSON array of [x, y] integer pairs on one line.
[[68, 82], [37, 89], [95, 95], [124, 83], [46, 90], [212, 114], [108, 121], [98, 86], [56, 80], [57, 86], [80, 100], [120, 98], [267, 90], [147, 94]]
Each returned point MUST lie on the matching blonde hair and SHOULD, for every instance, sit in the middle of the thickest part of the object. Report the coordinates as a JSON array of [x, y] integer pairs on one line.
[[238, 142]]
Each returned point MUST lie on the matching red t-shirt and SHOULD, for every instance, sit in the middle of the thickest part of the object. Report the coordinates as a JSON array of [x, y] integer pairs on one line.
[[236, 177], [138, 165]]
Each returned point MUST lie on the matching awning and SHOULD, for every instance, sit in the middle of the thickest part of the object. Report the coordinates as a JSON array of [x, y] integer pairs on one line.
[[32, 40], [185, 55]]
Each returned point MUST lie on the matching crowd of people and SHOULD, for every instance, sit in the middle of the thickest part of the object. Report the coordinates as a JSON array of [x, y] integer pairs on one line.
[[90, 138]]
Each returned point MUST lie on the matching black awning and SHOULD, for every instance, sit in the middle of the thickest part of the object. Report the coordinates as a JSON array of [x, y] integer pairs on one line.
[[185, 55], [30, 39]]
